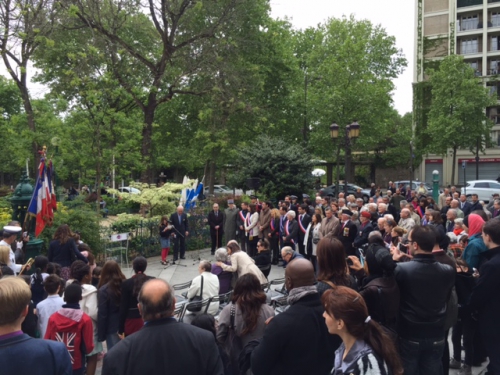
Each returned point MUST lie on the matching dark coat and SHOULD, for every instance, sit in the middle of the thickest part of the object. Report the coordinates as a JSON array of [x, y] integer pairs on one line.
[[485, 296], [165, 346], [475, 206], [347, 235], [183, 226], [466, 209], [64, 254], [362, 235], [293, 228], [296, 342], [128, 303], [305, 222], [214, 221], [382, 298], [108, 312], [425, 287], [263, 259]]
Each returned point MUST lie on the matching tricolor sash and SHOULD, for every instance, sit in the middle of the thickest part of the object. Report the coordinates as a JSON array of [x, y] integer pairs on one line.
[[301, 225], [243, 217], [287, 231]]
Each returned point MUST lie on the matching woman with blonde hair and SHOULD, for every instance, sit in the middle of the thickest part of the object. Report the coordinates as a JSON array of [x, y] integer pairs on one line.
[[4, 255]]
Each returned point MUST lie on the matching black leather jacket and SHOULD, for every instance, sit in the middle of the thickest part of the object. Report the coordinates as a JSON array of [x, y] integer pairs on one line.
[[425, 287]]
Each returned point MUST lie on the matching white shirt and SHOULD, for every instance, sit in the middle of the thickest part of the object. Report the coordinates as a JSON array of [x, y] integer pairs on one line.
[[210, 289], [45, 309], [15, 267]]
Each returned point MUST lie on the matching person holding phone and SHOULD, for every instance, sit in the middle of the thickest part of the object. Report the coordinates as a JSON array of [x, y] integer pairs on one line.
[[376, 281]]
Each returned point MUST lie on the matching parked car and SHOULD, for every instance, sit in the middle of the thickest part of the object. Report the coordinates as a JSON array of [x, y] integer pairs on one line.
[[415, 185], [128, 189], [223, 190], [483, 188], [351, 189]]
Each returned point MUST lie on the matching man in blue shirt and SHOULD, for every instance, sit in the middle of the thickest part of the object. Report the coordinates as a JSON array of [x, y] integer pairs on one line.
[[22, 354]]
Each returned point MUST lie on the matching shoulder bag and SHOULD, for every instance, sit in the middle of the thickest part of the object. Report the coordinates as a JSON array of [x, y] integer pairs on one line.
[[196, 307]]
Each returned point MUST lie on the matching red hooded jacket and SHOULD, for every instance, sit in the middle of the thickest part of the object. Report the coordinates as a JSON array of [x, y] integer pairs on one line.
[[73, 328]]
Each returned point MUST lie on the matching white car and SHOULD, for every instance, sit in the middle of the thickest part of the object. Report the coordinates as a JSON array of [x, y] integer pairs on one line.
[[129, 189], [483, 188]]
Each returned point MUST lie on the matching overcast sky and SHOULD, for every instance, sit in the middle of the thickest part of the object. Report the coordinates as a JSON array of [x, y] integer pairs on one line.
[[396, 16]]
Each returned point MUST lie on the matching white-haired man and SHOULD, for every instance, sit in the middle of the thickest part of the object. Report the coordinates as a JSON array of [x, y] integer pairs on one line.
[[180, 222]]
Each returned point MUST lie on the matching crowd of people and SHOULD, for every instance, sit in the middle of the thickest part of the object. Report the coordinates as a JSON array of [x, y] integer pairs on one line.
[[370, 288]]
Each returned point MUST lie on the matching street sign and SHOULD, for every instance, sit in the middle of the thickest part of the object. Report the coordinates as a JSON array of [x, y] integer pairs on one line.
[[464, 164]]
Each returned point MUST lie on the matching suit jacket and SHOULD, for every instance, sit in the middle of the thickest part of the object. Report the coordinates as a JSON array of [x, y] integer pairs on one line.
[[296, 342], [475, 206], [214, 221], [264, 221], [466, 209], [494, 213], [306, 219], [165, 346], [329, 227], [347, 235], [293, 228], [362, 236], [183, 225]]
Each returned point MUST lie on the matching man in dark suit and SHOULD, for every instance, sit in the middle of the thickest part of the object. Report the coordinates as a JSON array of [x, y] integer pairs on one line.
[[364, 230], [348, 232], [215, 221], [180, 222], [303, 221], [163, 345], [464, 205], [297, 342], [475, 204]]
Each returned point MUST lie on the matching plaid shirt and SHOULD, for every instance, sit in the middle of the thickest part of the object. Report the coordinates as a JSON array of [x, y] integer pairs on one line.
[[457, 250]]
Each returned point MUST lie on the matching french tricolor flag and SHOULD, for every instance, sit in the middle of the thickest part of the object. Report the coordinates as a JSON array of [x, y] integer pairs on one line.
[[41, 204]]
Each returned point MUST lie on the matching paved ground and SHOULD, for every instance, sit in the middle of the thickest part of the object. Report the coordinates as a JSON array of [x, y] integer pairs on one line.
[[176, 274]]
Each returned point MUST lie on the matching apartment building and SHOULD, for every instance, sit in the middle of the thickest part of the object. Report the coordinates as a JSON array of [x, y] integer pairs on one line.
[[470, 28]]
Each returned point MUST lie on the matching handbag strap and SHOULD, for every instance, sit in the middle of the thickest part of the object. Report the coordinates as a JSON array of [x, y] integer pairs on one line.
[[232, 316]]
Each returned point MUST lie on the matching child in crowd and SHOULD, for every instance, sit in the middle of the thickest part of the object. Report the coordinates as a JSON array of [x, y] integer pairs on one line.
[[73, 327], [51, 304]]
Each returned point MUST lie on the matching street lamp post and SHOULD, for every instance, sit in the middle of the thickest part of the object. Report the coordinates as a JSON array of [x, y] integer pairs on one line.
[[351, 133]]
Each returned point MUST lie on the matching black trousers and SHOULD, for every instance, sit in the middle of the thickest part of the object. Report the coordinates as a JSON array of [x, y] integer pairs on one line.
[[302, 248], [243, 240], [179, 245], [216, 240], [275, 247], [252, 246]]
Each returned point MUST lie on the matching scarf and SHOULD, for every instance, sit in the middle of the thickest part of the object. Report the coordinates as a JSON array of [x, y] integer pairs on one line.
[[300, 292]]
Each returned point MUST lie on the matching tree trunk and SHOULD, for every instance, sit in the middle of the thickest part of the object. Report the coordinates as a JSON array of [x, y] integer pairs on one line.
[[147, 134], [30, 116], [338, 172], [454, 165]]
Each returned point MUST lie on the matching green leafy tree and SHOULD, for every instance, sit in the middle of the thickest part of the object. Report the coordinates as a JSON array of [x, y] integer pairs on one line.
[[283, 168], [351, 65], [457, 115]]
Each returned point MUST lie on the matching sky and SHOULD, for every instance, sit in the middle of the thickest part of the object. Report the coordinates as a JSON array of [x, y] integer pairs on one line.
[[396, 16]]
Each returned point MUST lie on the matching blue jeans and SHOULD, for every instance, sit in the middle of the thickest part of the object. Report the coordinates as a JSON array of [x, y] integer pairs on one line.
[[422, 356], [111, 340]]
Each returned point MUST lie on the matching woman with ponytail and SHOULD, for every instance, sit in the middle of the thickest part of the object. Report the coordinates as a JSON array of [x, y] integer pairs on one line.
[[130, 320], [366, 349], [37, 292]]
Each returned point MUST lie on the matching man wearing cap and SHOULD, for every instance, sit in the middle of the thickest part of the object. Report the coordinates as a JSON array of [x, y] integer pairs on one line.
[[329, 224], [293, 205], [9, 237], [303, 220], [348, 231], [364, 230], [243, 215], [230, 218]]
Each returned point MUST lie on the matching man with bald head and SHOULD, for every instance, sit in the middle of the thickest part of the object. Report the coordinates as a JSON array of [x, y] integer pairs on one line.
[[297, 340], [163, 345]]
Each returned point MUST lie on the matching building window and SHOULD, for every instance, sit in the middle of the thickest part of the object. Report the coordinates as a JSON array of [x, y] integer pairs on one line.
[[468, 46]]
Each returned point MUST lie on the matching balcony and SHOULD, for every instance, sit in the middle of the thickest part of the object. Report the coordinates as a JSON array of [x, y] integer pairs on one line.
[[468, 3]]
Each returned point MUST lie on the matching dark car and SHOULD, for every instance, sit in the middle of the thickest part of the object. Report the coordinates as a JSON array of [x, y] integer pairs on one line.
[[351, 189]]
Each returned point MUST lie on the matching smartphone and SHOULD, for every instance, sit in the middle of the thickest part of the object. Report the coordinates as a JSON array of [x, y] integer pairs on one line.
[[25, 234], [403, 248], [349, 261]]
